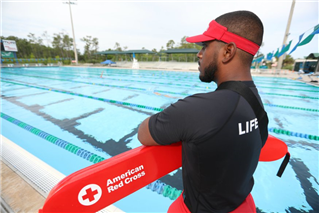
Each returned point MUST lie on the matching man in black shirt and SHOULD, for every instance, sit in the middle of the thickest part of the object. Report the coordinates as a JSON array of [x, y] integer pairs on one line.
[[219, 130]]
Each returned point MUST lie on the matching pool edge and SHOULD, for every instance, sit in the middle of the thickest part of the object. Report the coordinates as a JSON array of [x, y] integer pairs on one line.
[[30, 176]]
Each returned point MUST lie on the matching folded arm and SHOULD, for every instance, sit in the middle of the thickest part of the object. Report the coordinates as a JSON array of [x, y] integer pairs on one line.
[[144, 135]]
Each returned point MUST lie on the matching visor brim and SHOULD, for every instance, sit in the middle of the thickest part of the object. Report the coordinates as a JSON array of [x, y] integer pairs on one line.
[[199, 39]]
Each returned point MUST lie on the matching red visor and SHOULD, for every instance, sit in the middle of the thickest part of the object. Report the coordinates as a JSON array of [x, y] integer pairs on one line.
[[219, 32]]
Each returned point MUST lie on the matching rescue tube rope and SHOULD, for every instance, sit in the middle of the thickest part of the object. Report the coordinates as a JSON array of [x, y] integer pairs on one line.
[[55, 140], [295, 134]]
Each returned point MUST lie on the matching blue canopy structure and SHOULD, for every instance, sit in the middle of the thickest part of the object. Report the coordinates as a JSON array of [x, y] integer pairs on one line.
[[108, 62]]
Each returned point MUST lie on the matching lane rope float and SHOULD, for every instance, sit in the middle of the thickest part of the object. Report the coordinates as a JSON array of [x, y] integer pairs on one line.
[[134, 105], [94, 158], [164, 189], [158, 91], [291, 107], [196, 86], [295, 134], [90, 97]]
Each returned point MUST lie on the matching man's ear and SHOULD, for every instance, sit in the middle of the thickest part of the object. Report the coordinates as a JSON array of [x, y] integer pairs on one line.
[[229, 52]]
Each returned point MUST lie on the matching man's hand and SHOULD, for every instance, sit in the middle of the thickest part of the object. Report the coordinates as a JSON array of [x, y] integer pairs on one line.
[[144, 135]]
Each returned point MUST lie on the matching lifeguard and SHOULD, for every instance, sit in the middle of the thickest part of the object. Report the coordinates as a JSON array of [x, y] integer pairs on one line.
[[220, 142]]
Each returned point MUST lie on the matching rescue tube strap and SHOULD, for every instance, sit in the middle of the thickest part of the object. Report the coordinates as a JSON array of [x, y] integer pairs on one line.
[[243, 90], [283, 164]]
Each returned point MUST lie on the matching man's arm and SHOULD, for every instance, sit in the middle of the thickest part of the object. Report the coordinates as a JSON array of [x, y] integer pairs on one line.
[[144, 135]]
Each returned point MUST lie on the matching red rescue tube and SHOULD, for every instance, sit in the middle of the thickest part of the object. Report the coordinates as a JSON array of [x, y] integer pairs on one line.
[[274, 149], [100, 185]]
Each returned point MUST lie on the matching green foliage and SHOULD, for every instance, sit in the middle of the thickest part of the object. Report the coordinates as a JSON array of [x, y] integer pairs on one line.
[[60, 45], [288, 62], [288, 67], [91, 47], [66, 62], [170, 44]]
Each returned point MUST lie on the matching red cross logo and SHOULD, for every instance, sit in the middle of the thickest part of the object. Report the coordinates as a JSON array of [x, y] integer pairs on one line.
[[89, 194]]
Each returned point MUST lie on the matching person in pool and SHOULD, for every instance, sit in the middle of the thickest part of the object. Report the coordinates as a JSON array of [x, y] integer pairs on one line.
[[219, 130]]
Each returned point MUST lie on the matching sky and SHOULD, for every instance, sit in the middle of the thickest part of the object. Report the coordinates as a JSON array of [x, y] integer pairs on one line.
[[151, 24]]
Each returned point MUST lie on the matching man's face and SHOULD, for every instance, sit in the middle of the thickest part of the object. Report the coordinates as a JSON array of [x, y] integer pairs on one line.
[[208, 61]]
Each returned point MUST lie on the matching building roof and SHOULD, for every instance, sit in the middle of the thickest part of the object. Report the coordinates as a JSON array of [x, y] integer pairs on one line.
[[143, 51], [313, 56], [176, 51], [115, 52]]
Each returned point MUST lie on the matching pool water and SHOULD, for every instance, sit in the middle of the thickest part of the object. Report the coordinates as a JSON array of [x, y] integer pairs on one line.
[[99, 110]]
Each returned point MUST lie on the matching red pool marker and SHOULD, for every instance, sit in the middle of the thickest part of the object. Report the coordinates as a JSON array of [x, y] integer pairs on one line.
[[100, 185]]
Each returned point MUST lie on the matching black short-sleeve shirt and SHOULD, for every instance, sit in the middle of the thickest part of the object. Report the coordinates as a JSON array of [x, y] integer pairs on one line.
[[221, 145]]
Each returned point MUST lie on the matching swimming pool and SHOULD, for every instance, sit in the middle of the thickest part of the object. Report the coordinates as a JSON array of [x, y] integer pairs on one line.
[[73, 117]]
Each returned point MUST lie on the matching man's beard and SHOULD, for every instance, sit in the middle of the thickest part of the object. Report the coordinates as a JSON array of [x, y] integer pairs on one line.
[[209, 72]]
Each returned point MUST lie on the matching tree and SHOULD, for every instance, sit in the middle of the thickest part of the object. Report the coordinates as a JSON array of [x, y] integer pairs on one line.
[[45, 35], [117, 47], [33, 40], [170, 44], [288, 62], [91, 46], [57, 43], [67, 43]]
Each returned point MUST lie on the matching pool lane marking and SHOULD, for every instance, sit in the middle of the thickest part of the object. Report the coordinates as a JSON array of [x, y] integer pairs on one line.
[[194, 86], [94, 158], [87, 96], [150, 82], [95, 72], [136, 105], [141, 89], [119, 73], [295, 96], [263, 93], [81, 82]]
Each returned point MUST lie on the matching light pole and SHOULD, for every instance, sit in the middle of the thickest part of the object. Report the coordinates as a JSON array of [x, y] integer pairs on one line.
[[74, 38], [280, 60]]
